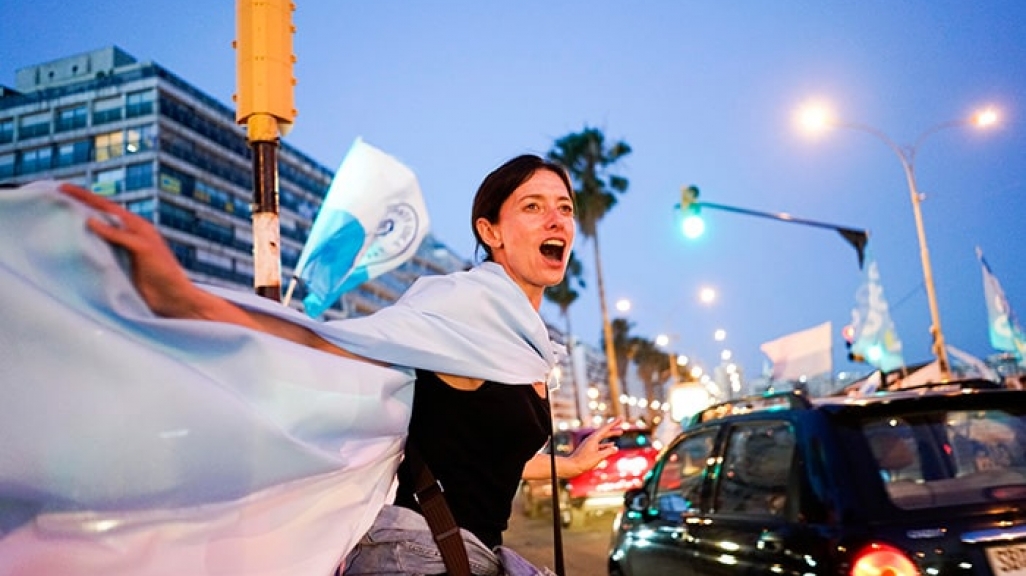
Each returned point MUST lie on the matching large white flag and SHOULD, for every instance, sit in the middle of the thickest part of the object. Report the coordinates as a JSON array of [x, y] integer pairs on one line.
[[162, 446], [806, 353], [372, 220]]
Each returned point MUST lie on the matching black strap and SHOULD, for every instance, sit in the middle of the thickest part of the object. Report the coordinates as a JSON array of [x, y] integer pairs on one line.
[[557, 527], [430, 496]]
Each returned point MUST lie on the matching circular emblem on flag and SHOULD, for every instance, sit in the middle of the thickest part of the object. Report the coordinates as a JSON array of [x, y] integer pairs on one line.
[[395, 234]]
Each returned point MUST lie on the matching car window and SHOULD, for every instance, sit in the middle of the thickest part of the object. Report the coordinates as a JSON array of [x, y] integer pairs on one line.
[[679, 484], [756, 468], [950, 458]]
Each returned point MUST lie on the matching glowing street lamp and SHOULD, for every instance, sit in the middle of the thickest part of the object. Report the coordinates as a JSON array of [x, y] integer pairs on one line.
[[707, 295], [817, 117]]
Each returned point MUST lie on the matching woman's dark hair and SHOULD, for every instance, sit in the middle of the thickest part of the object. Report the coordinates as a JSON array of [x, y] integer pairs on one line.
[[500, 184]]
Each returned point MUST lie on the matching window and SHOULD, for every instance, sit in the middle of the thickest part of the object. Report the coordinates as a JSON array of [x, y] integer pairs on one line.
[[36, 160], [6, 131], [144, 207], [72, 118], [679, 485], [935, 459], [756, 469], [214, 231], [106, 110], [219, 260], [32, 125], [176, 182], [140, 138], [109, 145], [177, 217], [73, 153], [108, 182], [6, 165], [212, 195], [138, 176], [139, 103]]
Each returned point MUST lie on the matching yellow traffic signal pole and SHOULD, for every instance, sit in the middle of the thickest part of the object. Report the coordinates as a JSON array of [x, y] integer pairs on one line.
[[264, 103]]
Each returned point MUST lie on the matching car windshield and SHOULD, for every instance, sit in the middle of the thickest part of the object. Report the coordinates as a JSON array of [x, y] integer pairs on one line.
[[949, 458]]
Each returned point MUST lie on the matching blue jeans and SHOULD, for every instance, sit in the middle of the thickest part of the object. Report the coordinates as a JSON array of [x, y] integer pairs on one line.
[[399, 543]]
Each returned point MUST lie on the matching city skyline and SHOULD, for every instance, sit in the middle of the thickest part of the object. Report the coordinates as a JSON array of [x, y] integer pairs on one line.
[[705, 95]]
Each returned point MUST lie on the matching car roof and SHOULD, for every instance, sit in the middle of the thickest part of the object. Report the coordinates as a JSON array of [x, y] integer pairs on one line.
[[964, 393]]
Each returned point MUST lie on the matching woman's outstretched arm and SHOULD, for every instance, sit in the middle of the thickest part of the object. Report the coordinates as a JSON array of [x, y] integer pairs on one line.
[[163, 283]]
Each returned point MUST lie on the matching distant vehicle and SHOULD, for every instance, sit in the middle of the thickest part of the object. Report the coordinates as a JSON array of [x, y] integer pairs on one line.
[[920, 482], [598, 490]]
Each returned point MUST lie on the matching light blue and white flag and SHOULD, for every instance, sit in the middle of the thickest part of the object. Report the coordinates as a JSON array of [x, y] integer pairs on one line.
[[1005, 332], [372, 220], [135, 445], [875, 337]]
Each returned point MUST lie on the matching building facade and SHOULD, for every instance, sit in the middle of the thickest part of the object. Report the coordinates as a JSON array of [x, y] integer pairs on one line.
[[138, 133]]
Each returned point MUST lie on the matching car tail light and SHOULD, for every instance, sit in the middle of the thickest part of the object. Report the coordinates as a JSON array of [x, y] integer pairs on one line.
[[882, 560]]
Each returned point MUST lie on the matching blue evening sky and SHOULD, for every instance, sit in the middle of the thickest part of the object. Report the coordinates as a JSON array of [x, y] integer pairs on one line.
[[704, 92]]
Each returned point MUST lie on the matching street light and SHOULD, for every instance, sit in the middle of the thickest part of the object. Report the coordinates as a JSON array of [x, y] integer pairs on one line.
[[817, 118], [663, 341]]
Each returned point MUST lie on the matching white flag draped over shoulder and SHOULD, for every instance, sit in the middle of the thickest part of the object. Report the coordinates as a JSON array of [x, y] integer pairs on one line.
[[372, 220], [135, 445], [806, 353]]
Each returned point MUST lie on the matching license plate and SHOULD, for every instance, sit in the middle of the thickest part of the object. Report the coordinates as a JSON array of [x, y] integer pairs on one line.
[[1007, 560]]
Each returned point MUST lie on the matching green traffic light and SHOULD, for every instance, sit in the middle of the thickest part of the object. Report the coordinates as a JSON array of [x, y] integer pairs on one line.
[[693, 226]]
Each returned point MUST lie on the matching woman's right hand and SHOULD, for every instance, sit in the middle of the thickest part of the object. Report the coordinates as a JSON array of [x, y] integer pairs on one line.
[[163, 283], [156, 273]]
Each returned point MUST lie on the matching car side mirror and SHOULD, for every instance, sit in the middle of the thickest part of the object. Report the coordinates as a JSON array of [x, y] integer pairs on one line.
[[636, 500]]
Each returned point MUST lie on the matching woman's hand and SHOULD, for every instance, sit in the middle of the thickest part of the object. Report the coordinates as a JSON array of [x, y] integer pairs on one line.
[[164, 285], [156, 273], [595, 448]]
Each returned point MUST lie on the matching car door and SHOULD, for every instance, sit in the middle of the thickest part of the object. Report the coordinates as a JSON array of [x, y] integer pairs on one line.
[[673, 493], [749, 523]]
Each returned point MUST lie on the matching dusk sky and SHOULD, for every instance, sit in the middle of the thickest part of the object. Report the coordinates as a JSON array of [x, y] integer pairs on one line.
[[705, 92]]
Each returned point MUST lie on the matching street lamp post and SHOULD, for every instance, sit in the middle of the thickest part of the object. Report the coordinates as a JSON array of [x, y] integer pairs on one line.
[[818, 118], [663, 340]]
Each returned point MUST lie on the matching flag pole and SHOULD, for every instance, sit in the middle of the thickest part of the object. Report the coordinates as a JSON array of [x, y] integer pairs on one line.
[[288, 292]]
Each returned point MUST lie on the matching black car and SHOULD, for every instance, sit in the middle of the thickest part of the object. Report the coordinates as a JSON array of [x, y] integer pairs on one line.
[[926, 482]]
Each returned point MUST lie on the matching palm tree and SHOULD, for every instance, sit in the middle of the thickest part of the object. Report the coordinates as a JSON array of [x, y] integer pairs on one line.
[[563, 295], [623, 345], [653, 368], [588, 159], [622, 353]]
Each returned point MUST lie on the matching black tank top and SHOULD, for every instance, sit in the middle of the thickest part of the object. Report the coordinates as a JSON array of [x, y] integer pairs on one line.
[[476, 444]]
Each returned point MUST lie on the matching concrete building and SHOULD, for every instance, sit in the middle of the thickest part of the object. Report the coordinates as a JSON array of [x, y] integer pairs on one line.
[[166, 150]]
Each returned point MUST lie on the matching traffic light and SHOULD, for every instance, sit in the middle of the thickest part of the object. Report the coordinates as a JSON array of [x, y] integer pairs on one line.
[[264, 67], [848, 333], [692, 226]]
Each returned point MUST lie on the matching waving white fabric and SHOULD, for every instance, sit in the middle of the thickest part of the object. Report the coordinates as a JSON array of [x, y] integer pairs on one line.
[[132, 444]]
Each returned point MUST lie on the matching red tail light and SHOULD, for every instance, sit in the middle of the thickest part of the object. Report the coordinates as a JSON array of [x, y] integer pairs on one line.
[[883, 560]]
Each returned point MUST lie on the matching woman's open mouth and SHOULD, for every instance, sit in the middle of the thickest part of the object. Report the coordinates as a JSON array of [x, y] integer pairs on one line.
[[553, 249]]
